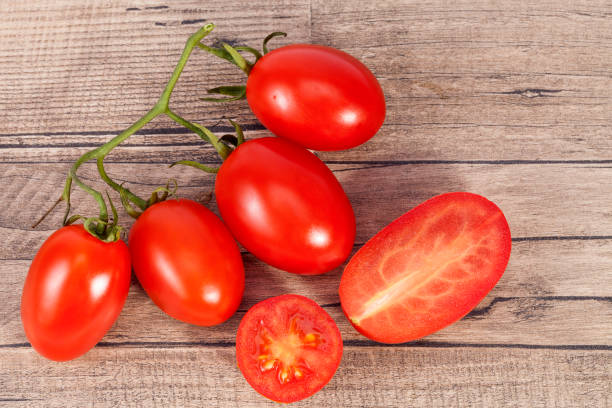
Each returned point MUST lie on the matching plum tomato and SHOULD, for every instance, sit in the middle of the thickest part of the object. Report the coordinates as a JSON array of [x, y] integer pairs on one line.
[[285, 206], [319, 97], [187, 262], [288, 348], [427, 269], [74, 291]]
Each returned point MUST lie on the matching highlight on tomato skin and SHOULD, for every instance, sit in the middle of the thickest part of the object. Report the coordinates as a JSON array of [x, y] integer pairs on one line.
[[288, 348], [74, 292], [427, 269]]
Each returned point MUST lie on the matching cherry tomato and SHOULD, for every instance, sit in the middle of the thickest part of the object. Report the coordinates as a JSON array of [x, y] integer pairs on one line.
[[74, 291], [187, 262], [285, 206], [319, 97], [427, 269], [288, 348]]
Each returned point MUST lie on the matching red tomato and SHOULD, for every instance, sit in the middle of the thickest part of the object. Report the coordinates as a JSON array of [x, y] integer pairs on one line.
[[285, 206], [74, 291], [187, 262], [288, 348], [319, 97], [427, 269]]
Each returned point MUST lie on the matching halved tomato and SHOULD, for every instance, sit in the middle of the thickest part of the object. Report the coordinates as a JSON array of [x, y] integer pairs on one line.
[[427, 269], [288, 348]]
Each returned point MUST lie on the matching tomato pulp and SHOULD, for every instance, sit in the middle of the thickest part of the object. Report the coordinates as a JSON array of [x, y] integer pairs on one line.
[[426, 269], [288, 348], [317, 96], [285, 206], [187, 262], [74, 291]]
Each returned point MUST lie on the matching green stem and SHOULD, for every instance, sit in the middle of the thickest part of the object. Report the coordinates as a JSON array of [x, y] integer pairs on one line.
[[99, 153], [203, 132], [141, 203], [191, 43]]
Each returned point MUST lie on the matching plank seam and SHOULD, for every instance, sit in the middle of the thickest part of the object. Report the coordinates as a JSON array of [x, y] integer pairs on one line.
[[347, 343]]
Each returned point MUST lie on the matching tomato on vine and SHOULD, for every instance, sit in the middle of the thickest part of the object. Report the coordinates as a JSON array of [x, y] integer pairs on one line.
[[285, 206], [317, 96], [74, 291], [187, 262]]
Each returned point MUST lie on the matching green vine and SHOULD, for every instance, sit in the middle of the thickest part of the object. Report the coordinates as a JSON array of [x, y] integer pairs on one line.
[[100, 226]]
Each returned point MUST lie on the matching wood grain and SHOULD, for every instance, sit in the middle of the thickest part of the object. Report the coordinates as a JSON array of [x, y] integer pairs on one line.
[[511, 79], [567, 200], [511, 100], [503, 317], [475, 377]]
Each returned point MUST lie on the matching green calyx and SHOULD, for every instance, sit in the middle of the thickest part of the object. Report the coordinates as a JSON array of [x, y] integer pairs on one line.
[[100, 226], [232, 54]]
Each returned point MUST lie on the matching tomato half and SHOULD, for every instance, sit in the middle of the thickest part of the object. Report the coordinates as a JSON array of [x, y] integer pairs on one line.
[[426, 269], [319, 97], [288, 348], [285, 206], [74, 291], [187, 262]]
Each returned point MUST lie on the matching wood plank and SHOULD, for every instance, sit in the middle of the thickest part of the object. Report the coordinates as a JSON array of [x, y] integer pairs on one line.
[[367, 377], [549, 289], [509, 100], [554, 200], [508, 78], [97, 67]]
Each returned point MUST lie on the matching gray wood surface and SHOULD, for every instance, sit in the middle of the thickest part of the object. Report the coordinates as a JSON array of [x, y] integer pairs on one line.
[[511, 100]]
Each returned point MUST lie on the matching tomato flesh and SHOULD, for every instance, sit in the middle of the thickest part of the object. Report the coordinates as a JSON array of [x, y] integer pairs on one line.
[[187, 262], [317, 96], [74, 292], [285, 206], [427, 269], [288, 348]]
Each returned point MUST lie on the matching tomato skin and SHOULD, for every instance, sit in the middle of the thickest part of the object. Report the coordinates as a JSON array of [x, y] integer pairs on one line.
[[285, 206], [74, 291], [288, 320], [317, 96], [427, 269], [187, 262]]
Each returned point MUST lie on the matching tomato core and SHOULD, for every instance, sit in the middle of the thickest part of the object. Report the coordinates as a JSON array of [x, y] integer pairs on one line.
[[283, 354], [288, 348]]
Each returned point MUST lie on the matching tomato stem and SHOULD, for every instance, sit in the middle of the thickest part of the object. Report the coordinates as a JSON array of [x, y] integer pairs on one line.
[[269, 37], [100, 226], [231, 54], [59, 200]]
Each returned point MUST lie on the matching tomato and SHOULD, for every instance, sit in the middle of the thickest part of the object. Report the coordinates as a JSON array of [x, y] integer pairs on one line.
[[74, 291], [288, 348], [319, 97], [285, 206], [187, 262], [426, 269]]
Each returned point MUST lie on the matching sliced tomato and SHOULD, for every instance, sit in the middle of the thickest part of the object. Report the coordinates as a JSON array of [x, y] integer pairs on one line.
[[288, 348], [427, 269]]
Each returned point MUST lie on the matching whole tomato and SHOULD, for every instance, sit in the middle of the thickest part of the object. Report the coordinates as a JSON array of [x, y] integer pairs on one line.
[[74, 291], [187, 262], [319, 97], [285, 206]]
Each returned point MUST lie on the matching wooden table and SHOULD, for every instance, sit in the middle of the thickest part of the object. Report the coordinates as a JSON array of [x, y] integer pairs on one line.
[[512, 100]]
